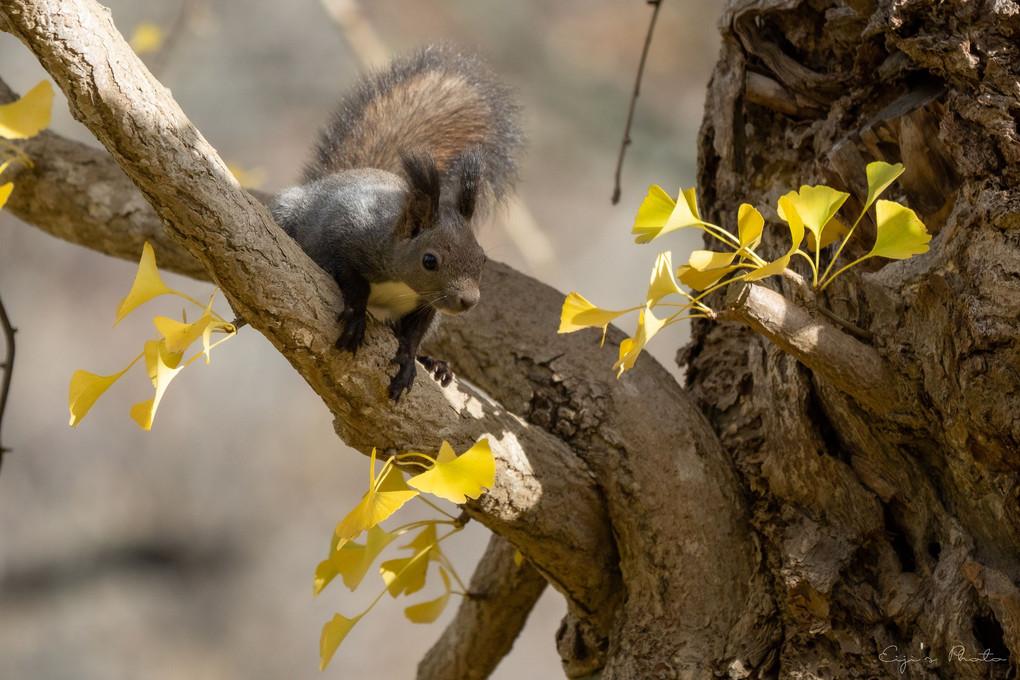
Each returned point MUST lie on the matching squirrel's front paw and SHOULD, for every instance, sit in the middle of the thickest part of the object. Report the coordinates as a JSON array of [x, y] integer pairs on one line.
[[404, 378], [353, 333], [439, 368]]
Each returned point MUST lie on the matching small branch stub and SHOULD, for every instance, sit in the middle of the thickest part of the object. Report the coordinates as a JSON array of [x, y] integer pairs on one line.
[[840, 359]]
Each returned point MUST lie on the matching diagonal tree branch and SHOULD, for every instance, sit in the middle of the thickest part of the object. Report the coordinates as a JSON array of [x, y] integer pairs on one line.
[[542, 490]]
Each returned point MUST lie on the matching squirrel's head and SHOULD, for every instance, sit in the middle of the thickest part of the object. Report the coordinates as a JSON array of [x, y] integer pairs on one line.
[[436, 250]]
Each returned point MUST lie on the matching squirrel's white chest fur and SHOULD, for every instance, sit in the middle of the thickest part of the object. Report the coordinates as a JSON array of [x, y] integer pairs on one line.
[[390, 300]]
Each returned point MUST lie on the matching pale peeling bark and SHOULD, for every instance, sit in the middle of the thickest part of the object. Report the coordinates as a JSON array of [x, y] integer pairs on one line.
[[617, 492], [886, 525]]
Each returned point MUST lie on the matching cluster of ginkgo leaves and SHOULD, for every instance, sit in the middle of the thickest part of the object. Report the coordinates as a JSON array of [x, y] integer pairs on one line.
[[22, 119], [448, 476], [811, 215], [164, 357]]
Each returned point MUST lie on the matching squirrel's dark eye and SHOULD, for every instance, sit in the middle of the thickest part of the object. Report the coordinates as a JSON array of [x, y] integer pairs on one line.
[[430, 262]]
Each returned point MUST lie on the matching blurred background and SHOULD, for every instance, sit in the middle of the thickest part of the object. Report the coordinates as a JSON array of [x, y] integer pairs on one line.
[[189, 551]]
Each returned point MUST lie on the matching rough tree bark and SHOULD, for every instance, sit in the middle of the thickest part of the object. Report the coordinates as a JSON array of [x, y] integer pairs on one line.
[[833, 505], [889, 530]]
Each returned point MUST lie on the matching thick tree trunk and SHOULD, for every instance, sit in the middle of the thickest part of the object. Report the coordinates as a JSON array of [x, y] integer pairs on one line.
[[890, 532]]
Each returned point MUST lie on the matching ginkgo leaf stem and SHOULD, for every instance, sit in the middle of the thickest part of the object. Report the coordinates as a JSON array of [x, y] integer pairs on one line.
[[711, 289], [814, 266], [843, 269], [18, 155], [417, 524], [435, 507], [720, 233], [674, 318], [409, 454], [375, 481], [825, 279], [202, 353], [747, 252], [188, 298], [445, 561]]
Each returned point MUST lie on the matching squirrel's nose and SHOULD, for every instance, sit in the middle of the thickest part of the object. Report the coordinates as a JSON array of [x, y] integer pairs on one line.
[[469, 299]]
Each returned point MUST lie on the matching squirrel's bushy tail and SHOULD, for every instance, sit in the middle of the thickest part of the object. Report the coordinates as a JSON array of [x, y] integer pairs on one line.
[[437, 100]]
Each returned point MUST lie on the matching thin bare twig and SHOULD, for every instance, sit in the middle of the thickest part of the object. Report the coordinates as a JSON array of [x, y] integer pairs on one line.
[[633, 100], [8, 367], [173, 34], [365, 43]]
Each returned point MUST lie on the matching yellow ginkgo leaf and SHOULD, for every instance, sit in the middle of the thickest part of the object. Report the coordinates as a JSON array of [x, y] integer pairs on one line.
[[659, 214], [228, 328], [630, 348], [835, 230], [779, 264], [696, 279], [662, 282], [30, 114], [146, 286], [578, 313], [426, 541], [333, 633], [461, 477], [147, 37], [749, 226], [653, 214], [427, 612], [880, 176], [385, 495], [327, 570], [86, 388], [703, 260], [406, 575], [5, 192], [813, 207], [179, 335], [351, 560], [162, 367], [900, 232]]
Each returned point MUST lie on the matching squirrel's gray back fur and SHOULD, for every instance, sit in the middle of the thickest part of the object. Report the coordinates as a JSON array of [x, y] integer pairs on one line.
[[437, 99]]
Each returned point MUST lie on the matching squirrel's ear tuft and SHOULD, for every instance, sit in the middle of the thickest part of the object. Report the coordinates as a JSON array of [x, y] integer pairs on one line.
[[469, 167], [424, 182]]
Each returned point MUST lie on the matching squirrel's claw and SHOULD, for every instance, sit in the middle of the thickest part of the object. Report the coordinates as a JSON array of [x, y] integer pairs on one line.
[[404, 379], [353, 334], [439, 368]]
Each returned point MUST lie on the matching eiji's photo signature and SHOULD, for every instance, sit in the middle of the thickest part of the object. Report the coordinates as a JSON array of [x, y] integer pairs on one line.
[[923, 657]]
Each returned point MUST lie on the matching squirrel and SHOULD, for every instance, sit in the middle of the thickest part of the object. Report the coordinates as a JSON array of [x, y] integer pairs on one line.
[[385, 206]]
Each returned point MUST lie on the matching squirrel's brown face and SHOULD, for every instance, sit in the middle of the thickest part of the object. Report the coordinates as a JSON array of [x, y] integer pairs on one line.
[[440, 257], [443, 265]]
